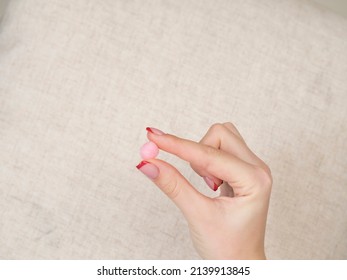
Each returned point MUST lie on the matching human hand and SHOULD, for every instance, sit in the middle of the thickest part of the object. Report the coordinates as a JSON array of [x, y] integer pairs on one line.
[[232, 225]]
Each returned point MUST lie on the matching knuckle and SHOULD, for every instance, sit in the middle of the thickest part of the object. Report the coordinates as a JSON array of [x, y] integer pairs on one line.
[[216, 127], [268, 170], [171, 188], [230, 124], [263, 177], [207, 153]]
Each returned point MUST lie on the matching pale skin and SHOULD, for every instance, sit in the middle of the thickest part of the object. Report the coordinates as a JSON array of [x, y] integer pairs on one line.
[[232, 225]]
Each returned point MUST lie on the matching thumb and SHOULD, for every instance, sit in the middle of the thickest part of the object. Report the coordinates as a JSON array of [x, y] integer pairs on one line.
[[175, 186]]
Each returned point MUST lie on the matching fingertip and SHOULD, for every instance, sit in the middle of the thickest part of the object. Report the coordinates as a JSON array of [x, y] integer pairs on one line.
[[213, 184], [155, 131], [149, 169]]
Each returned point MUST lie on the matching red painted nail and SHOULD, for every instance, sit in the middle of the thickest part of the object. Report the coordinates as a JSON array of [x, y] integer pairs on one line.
[[149, 169], [141, 164], [154, 131], [213, 186]]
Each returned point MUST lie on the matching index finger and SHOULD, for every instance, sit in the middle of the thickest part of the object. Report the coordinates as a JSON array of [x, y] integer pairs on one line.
[[239, 174]]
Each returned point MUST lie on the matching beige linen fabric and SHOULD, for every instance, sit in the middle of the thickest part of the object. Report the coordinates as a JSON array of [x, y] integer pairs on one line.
[[80, 80], [3, 5]]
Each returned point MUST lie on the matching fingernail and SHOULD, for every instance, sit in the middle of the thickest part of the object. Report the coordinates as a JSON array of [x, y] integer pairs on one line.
[[154, 131], [149, 169], [213, 186]]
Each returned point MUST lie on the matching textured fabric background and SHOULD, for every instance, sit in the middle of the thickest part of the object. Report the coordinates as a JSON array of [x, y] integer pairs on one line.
[[3, 5], [80, 80]]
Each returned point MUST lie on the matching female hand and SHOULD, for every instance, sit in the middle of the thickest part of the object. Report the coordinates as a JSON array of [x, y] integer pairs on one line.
[[231, 226]]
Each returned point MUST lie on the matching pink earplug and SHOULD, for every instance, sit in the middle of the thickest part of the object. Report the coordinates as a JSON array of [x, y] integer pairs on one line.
[[149, 150]]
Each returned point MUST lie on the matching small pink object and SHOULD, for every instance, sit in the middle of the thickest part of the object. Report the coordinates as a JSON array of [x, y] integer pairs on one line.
[[149, 150]]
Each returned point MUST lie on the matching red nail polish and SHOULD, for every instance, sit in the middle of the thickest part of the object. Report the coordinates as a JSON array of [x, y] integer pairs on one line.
[[213, 186], [148, 169], [154, 131], [141, 164]]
